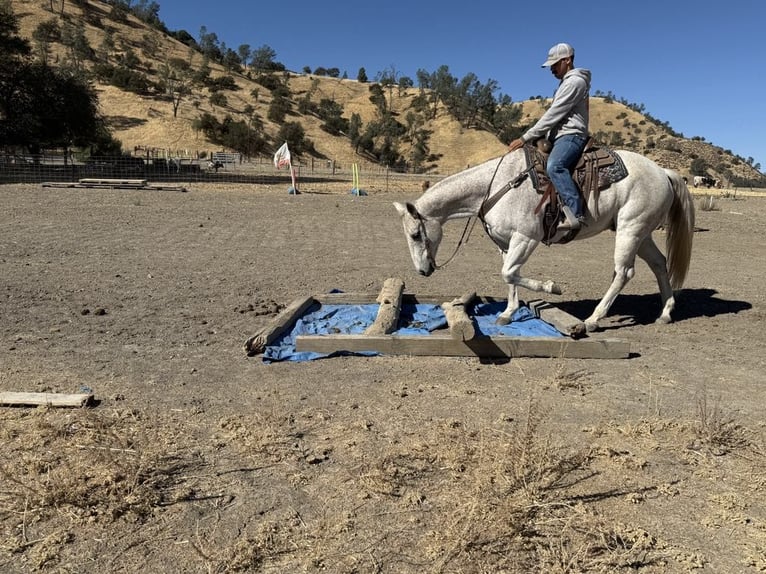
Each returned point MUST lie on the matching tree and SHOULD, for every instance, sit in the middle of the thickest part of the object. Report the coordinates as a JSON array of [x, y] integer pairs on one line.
[[263, 59], [73, 37], [12, 46], [378, 98], [698, 166], [45, 34], [244, 51], [209, 46], [219, 99], [388, 78], [355, 130], [149, 12], [49, 108], [231, 61], [176, 76], [331, 113], [295, 136], [361, 76], [280, 105]]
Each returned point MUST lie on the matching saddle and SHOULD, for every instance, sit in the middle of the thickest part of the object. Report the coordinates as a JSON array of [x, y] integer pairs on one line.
[[598, 168]]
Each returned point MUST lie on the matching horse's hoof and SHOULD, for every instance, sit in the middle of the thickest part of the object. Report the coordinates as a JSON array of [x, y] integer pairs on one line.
[[578, 331], [552, 288], [662, 320], [591, 327], [502, 320]]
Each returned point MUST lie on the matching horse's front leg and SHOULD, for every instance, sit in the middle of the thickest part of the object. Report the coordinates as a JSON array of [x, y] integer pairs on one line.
[[520, 247]]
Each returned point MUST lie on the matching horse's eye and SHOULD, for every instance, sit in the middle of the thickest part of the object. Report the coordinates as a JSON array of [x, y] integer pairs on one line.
[[416, 236]]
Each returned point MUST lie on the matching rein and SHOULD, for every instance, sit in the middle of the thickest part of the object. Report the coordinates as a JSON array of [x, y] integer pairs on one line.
[[471, 221], [488, 202], [465, 235]]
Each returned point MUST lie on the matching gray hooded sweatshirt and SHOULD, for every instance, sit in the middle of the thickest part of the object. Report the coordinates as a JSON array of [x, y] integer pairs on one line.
[[568, 114]]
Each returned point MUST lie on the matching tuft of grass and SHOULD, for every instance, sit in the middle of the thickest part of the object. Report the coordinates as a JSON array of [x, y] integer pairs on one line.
[[708, 203], [715, 430]]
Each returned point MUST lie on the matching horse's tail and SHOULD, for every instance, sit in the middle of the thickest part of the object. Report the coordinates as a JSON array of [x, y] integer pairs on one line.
[[680, 230]]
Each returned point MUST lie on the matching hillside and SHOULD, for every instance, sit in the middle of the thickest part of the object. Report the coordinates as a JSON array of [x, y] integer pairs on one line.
[[149, 121]]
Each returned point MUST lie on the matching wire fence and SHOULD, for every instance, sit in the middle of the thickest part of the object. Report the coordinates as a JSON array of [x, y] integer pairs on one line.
[[214, 168]]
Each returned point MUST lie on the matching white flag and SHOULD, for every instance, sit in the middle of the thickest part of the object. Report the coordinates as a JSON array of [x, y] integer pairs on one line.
[[282, 157]]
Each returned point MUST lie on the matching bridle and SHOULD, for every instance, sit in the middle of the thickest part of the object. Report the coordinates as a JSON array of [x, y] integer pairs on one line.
[[429, 247], [483, 209]]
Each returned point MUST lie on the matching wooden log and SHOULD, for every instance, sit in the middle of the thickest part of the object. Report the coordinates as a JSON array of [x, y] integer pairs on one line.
[[461, 326], [564, 322], [49, 399], [443, 344], [390, 300], [281, 323]]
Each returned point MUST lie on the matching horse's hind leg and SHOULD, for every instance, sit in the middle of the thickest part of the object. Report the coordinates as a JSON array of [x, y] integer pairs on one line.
[[625, 249], [520, 247], [649, 252]]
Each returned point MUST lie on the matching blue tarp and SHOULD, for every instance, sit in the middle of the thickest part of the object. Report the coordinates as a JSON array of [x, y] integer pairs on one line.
[[418, 319]]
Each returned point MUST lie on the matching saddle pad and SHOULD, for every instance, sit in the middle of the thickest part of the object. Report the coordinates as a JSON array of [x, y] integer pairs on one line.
[[607, 174]]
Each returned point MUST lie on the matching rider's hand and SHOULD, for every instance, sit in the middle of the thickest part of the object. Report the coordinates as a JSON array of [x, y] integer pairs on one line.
[[518, 143]]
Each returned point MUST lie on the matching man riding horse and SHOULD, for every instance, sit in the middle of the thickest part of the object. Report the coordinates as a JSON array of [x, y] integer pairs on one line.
[[565, 125]]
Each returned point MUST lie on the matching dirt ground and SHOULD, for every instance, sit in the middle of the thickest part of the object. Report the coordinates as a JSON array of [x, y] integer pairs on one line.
[[197, 458]]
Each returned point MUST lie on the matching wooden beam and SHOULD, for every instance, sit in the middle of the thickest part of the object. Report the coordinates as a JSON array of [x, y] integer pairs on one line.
[[564, 322], [390, 300], [489, 347], [281, 323], [460, 324], [112, 181], [49, 399]]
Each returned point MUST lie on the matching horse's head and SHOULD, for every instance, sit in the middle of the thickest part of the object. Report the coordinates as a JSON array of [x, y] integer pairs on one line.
[[423, 237]]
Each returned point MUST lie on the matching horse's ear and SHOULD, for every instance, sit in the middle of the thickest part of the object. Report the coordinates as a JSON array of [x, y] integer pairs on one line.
[[404, 208]]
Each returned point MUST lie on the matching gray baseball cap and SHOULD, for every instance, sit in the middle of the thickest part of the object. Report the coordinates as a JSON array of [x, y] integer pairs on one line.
[[558, 52]]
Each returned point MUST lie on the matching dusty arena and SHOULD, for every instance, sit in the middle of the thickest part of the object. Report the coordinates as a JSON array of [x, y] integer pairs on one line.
[[197, 458]]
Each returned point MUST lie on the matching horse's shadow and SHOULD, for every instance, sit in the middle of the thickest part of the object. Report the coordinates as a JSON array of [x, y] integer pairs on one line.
[[644, 309]]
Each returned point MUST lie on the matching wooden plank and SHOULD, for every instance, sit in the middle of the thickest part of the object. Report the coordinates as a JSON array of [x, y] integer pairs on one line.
[[564, 322], [49, 399], [111, 181], [59, 184], [460, 324], [162, 187], [390, 300], [489, 347], [281, 323]]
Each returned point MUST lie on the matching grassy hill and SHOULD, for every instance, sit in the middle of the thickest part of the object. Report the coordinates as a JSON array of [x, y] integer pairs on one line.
[[149, 121]]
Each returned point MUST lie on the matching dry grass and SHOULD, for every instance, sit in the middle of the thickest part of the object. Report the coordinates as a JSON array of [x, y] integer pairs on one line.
[[456, 500], [716, 430]]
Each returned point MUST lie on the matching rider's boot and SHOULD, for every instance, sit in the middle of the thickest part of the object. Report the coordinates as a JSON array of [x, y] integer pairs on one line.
[[571, 221]]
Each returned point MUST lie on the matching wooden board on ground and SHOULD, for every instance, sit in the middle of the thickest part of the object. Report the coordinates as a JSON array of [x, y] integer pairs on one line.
[[113, 181], [459, 340], [95, 183], [444, 344], [45, 399]]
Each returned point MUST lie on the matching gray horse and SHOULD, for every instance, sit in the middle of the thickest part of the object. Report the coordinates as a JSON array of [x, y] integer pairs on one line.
[[634, 207]]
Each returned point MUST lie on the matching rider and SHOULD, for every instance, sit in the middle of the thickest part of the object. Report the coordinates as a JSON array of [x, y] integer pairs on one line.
[[565, 125]]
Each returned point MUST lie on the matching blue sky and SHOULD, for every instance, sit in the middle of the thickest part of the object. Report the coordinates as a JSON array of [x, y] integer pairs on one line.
[[698, 66]]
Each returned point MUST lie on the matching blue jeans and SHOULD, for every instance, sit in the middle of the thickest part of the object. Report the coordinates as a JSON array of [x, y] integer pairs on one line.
[[563, 158]]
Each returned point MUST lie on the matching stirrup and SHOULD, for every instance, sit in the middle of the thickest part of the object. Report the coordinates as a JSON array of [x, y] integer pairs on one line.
[[571, 221], [567, 225]]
